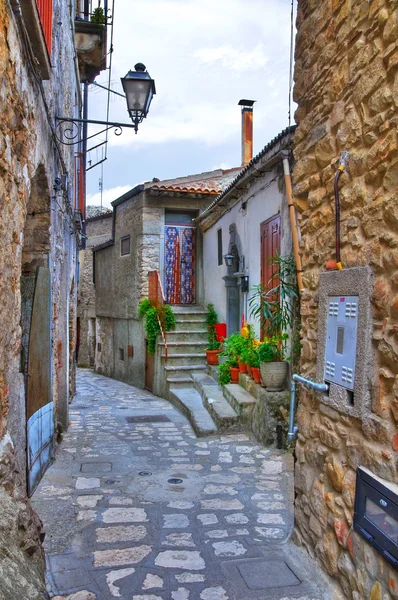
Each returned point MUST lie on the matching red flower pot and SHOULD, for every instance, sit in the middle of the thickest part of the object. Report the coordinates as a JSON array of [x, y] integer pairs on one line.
[[221, 331], [212, 356], [249, 371], [256, 374], [242, 367], [234, 374]]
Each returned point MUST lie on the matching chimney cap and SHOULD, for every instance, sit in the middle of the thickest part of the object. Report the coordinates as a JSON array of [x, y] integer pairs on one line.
[[244, 102]]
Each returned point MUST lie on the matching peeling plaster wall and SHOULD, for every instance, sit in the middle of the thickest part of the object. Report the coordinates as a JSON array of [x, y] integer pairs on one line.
[[346, 87], [34, 230]]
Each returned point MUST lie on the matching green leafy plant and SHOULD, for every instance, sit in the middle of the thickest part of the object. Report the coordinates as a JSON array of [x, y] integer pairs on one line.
[[253, 358], [274, 306], [211, 321], [224, 373], [143, 307], [98, 15], [272, 350], [153, 315], [234, 345]]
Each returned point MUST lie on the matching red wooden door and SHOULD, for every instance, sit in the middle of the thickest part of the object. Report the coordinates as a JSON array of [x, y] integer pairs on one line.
[[270, 246]]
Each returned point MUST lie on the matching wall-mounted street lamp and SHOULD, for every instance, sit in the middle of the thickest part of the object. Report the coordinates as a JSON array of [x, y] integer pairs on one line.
[[229, 260], [139, 90]]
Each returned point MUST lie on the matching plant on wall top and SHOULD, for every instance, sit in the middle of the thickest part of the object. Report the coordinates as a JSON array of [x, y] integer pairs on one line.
[[153, 315], [98, 15]]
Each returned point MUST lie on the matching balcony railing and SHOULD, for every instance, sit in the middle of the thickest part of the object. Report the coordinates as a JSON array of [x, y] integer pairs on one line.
[[157, 299], [45, 8]]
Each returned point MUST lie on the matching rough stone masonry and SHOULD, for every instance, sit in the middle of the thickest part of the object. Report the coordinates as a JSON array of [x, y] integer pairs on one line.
[[346, 87]]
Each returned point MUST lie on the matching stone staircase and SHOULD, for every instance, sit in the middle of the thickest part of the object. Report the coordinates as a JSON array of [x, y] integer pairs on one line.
[[192, 387]]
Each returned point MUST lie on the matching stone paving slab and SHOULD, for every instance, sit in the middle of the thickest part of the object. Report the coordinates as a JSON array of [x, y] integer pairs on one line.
[[147, 511]]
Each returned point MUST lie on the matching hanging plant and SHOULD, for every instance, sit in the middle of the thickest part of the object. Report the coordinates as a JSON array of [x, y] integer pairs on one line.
[[152, 316]]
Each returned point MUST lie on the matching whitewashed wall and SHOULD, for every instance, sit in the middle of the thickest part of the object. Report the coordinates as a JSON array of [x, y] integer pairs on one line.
[[261, 205]]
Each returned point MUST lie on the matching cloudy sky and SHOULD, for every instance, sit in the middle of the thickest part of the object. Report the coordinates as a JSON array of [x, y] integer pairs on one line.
[[205, 55]]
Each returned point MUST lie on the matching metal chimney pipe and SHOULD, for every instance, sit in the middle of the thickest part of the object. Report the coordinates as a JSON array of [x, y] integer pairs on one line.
[[247, 130]]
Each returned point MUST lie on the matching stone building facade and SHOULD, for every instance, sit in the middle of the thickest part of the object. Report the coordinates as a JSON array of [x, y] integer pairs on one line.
[[98, 231], [142, 219], [39, 238], [346, 87]]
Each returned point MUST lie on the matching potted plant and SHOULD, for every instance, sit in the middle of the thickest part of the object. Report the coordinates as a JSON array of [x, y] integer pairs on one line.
[[254, 363], [273, 367], [224, 372], [214, 346], [275, 305]]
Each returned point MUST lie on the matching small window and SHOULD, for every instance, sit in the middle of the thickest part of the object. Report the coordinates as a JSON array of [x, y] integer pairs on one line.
[[219, 246], [125, 245], [121, 353]]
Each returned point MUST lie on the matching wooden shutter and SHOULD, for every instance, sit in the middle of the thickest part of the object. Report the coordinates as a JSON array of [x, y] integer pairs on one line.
[[45, 8]]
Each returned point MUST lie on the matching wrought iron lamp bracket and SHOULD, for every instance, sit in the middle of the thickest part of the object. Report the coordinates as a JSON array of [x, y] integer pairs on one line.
[[68, 129]]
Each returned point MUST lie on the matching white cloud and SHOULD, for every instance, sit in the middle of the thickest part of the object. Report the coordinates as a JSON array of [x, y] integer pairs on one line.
[[108, 195], [204, 56], [232, 58]]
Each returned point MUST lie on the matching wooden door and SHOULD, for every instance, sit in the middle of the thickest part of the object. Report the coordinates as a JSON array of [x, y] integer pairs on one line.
[[270, 246], [39, 404], [180, 264]]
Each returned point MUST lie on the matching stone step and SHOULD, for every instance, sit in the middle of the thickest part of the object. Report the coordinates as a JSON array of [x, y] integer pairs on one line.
[[213, 399], [189, 402], [191, 324], [185, 359], [182, 370], [180, 335], [240, 400], [179, 382], [184, 347], [198, 316]]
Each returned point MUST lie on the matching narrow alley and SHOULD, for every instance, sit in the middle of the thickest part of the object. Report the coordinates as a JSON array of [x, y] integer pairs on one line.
[[137, 507]]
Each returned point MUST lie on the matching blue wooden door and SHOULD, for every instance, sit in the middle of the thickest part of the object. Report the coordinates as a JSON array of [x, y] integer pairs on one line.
[[39, 404]]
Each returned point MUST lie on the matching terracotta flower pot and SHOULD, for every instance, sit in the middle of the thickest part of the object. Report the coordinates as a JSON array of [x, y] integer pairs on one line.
[[242, 367], [273, 375], [249, 370], [234, 374], [256, 374], [212, 356]]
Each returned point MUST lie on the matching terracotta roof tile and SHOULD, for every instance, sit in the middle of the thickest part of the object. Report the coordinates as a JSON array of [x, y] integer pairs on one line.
[[213, 182]]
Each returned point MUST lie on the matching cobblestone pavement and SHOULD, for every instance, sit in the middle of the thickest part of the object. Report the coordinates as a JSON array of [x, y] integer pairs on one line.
[[136, 507]]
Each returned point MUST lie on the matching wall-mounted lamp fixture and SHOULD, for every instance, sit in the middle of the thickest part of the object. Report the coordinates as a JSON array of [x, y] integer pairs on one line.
[[229, 259], [139, 89], [244, 283]]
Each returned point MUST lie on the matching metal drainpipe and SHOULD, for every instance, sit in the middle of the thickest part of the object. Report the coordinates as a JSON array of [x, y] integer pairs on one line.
[[313, 385]]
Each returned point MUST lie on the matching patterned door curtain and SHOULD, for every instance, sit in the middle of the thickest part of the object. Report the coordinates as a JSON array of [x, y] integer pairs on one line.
[[180, 265]]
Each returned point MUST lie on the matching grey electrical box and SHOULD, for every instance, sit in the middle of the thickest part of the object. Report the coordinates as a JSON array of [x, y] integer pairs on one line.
[[341, 340]]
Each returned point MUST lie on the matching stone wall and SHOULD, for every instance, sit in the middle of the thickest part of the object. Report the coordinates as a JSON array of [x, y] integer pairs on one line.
[[98, 230], [346, 87], [36, 229]]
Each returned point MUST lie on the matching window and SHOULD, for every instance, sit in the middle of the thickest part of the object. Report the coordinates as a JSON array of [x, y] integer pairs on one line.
[[125, 245], [219, 246], [121, 353]]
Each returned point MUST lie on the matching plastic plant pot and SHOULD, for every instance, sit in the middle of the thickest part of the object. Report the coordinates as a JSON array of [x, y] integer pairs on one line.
[[234, 374]]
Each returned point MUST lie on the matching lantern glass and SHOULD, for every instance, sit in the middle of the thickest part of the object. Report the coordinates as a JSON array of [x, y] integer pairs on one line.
[[139, 89], [229, 259]]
